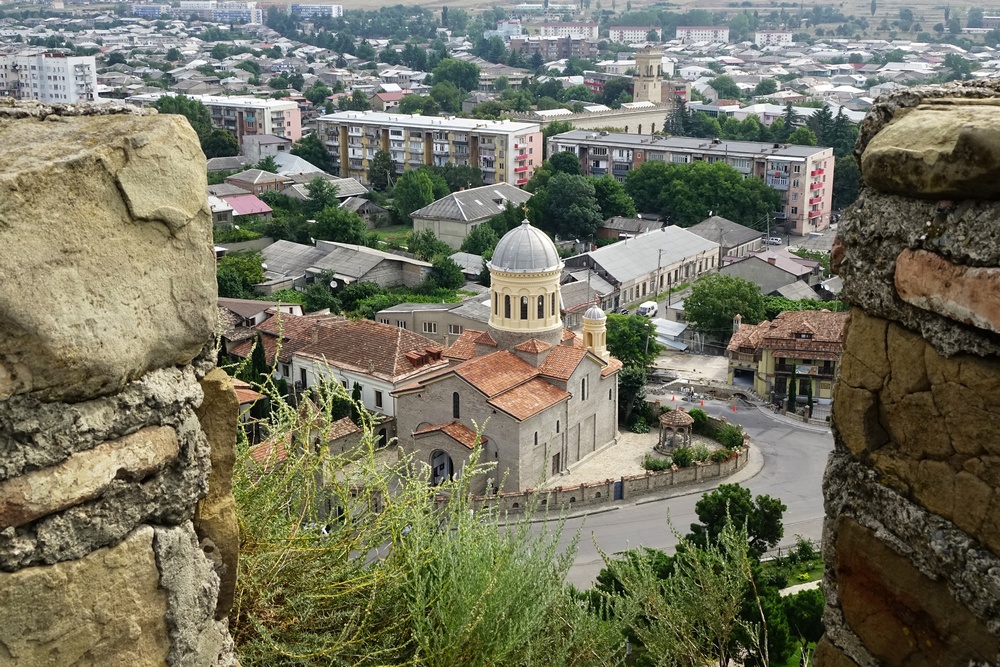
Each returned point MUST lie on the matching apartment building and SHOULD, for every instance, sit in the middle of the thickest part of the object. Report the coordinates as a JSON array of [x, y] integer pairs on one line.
[[702, 33], [54, 78], [578, 30], [317, 11], [772, 38], [803, 175], [153, 11], [223, 12], [629, 34], [553, 48], [244, 116], [505, 151]]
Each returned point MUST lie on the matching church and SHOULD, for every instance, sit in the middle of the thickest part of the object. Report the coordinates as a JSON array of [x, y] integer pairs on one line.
[[542, 398]]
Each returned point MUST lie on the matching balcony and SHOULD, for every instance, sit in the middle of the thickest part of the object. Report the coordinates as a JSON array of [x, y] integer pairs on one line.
[[815, 214], [821, 371], [777, 183], [521, 169], [779, 215], [620, 169], [815, 186], [815, 200], [816, 172], [598, 171], [521, 181]]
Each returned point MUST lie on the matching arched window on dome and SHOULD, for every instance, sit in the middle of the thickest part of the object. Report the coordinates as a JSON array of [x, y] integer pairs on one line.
[[588, 339], [541, 307], [496, 303], [553, 299], [506, 306], [524, 308]]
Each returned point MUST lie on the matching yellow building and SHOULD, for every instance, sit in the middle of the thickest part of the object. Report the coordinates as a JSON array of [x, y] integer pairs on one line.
[[796, 354]]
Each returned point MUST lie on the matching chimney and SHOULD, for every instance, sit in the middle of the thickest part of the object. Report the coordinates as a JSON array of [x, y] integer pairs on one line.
[[772, 260]]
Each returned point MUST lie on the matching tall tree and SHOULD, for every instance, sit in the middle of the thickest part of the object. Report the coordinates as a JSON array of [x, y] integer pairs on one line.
[[413, 190], [716, 299], [761, 516], [220, 143], [267, 164], [846, 182], [821, 123], [632, 339], [802, 136], [192, 109], [464, 75], [381, 170], [612, 198], [566, 208], [311, 149]]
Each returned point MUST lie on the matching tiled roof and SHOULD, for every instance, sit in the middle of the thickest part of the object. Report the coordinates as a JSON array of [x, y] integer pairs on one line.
[[342, 428], [246, 307], [529, 398], [533, 346], [465, 347], [373, 348], [562, 361], [614, 365], [486, 339], [245, 393], [474, 204], [825, 329], [496, 373], [274, 450], [567, 335], [455, 430]]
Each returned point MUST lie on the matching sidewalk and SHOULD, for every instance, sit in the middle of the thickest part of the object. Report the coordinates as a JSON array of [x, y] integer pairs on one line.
[[792, 421]]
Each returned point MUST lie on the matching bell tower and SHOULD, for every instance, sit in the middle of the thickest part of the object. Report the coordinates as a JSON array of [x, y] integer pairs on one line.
[[647, 83]]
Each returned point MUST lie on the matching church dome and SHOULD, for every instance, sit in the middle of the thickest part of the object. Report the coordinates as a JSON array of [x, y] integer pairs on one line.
[[525, 249], [594, 313]]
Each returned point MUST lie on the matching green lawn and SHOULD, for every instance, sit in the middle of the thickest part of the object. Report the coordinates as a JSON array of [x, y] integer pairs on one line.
[[395, 234], [799, 573]]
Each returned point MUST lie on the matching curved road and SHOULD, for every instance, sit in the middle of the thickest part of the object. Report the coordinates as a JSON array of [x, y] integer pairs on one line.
[[794, 461]]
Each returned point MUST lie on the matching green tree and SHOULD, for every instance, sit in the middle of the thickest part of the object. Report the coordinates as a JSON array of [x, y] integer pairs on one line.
[[239, 272], [192, 109], [220, 143], [565, 162], [460, 176], [846, 182], [974, 17], [552, 129], [414, 104], [173, 55], [341, 225], [802, 136], [632, 339], [116, 58], [567, 207], [413, 190], [761, 516], [448, 96], [480, 240], [703, 125], [428, 247], [631, 390], [317, 93], [821, 123], [267, 164], [220, 51], [765, 87], [365, 51], [464, 75], [446, 274], [612, 198], [381, 170], [804, 611], [726, 87], [311, 149], [716, 299], [615, 91]]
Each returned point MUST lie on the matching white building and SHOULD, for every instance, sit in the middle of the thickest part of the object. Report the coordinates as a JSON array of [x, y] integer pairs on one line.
[[223, 12], [314, 11], [506, 151], [772, 38], [505, 29], [628, 34], [54, 78], [702, 33], [576, 30]]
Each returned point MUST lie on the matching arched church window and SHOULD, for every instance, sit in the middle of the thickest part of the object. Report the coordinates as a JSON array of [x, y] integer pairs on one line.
[[506, 306], [456, 405], [524, 308], [541, 307]]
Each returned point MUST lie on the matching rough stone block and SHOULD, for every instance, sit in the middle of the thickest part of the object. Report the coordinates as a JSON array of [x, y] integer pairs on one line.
[[828, 655], [962, 293], [938, 151], [857, 421], [907, 373], [85, 475], [865, 362], [104, 610], [902, 616], [215, 520], [972, 500], [915, 424], [934, 487], [108, 269]]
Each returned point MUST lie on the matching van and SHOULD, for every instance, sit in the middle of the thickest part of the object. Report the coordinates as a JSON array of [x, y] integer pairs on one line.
[[774, 240], [647, 309]]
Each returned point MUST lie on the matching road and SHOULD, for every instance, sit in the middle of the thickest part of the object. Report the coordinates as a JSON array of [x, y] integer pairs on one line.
[[794, 461]]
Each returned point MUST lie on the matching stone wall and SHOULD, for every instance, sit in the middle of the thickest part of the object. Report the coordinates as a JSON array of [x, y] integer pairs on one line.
[[912, 535], [118, 539]]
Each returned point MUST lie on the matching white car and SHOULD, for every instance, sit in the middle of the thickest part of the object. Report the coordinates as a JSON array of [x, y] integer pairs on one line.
[[647, 309], [774, 240]]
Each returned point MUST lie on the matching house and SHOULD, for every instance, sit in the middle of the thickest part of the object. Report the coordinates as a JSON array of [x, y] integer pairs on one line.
[[234, 163], [222, 213], [734, 239], [237, 317], [471, 265], [370, 212], [289, 265], [533, 395], [246, 206], [651, 263], [442, 322], [619, 227], [765, 272], [452, 218], [256, 147], [257, 181], [797, 354]]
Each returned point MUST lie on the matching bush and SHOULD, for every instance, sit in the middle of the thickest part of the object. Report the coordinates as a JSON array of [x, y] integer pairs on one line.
[[730, 436], [700, 418], [640, 425], [656, 463], [700, 452], [804, 549], [720, 455], [683, 457], [232, 235]]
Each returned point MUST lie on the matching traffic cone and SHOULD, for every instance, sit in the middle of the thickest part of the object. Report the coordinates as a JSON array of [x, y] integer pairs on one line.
[[703, 404], [734, 408], [672, 397]]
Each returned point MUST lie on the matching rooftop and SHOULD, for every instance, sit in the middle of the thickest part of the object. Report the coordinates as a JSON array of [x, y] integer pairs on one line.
[[474, 204], [646, 142], [430, 122]]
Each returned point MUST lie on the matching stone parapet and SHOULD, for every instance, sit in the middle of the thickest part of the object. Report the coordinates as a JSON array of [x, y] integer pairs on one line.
[[118, 536], [912, 492]]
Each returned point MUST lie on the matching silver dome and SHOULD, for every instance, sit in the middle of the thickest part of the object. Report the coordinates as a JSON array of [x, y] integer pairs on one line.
[[594, 313], [525, 249]]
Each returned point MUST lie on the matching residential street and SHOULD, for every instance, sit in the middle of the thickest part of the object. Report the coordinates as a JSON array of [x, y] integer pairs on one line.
[[794, 461]]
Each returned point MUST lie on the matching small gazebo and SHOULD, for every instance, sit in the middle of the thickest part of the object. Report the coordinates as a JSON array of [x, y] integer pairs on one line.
[[675, 430]]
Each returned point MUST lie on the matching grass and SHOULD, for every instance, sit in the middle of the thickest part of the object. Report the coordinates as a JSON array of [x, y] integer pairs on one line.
[[395, 234], [795, 659], [797, 573]]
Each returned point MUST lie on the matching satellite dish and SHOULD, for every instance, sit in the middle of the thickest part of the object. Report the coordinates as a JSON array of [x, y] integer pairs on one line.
[[333, 284]]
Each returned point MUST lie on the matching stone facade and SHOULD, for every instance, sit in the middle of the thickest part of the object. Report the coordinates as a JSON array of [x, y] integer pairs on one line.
[[912, 535], [107, 441]]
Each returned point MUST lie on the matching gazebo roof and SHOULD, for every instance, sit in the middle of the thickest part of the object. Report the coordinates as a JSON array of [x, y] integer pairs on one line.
[[676, 417]]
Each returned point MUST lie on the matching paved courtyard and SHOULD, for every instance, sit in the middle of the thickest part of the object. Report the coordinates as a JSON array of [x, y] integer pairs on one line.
[[694, 367]]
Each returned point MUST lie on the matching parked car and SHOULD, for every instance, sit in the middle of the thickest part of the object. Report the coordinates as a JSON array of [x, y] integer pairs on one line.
[[647, 309], [774, 240]]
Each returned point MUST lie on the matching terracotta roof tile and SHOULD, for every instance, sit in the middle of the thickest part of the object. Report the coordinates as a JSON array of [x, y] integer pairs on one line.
[[533, 346], [495, 373], [274, 450], [567, 335], [614, 365], [486, 339], [529, 398], [464, 347], [562, 361], [456, 431], [343, 427]]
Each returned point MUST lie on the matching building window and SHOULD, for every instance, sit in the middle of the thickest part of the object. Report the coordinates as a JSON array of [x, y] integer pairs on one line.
[[302, 378], [284, 370], [430, 327], [557, 426], [536, 438], [795, 209], [383, 320], [378, 399], [556, 463], [524, 308], [455, 329], [344, 382], [401, 324], [553, 299], [609, 395], [583, 389], [541, 307], [506, 306], [456, 412]]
